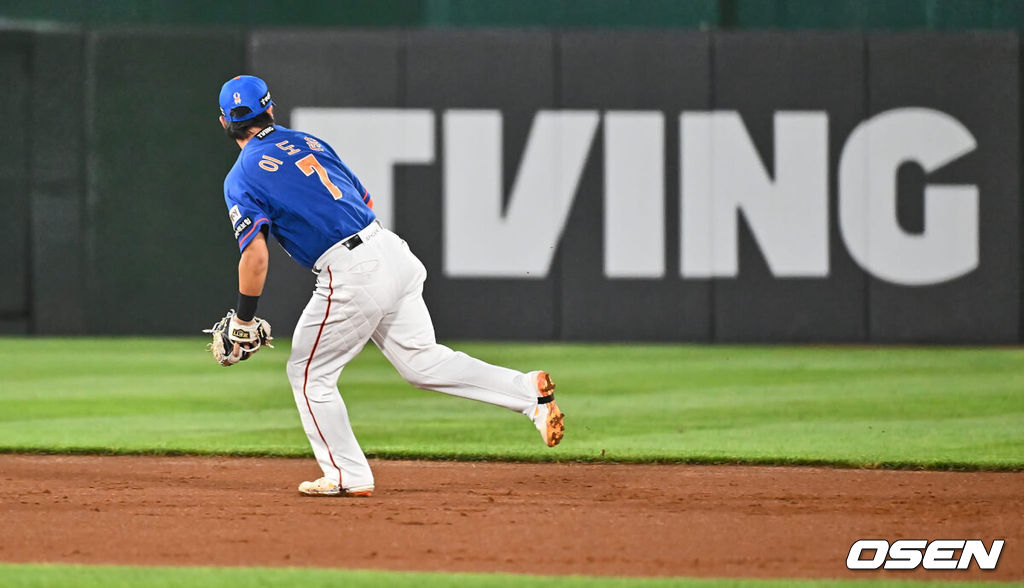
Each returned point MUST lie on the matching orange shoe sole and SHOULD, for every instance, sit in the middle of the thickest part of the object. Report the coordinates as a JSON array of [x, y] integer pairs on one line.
[[555, 429]]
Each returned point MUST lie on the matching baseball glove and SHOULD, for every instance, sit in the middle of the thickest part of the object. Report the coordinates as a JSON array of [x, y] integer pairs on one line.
[[234, 342]]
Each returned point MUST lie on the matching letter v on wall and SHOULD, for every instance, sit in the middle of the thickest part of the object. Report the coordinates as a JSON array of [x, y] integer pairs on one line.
[[482, 240]]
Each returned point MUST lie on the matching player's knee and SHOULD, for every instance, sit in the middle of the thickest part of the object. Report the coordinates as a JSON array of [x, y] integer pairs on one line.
[[416, 378], [420, 367], [317, 393]]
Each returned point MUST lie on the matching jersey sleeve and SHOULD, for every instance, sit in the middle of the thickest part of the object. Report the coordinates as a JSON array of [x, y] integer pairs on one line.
[[246, 215]]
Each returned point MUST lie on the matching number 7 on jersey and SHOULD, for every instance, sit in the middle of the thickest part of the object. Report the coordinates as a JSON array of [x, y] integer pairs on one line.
[[309, 164]]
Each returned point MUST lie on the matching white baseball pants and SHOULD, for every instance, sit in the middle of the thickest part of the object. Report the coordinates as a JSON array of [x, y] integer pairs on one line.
[[375, 291]]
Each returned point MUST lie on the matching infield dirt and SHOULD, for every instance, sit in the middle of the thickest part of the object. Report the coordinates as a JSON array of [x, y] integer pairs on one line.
[[630, 520]]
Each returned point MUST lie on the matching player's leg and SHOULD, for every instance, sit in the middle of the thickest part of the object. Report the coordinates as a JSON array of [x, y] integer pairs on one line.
[[332, 330], [406, 337]]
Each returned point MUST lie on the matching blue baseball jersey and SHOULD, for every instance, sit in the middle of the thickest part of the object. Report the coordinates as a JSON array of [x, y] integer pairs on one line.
[[296, 187]]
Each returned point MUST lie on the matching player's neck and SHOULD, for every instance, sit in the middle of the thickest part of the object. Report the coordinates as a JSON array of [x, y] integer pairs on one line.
[[242, 142], [253, 131]]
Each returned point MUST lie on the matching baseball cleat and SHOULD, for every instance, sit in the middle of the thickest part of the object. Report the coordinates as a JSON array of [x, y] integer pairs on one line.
[[360, 492], [546, 416], [326, 487], [320, 487]]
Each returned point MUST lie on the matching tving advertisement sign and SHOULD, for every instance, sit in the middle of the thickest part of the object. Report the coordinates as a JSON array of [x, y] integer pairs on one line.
[[722, 177], [677, 185]]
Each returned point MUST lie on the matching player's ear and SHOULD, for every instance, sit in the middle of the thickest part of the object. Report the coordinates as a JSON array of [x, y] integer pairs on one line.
[[270, 109], [223, 123]]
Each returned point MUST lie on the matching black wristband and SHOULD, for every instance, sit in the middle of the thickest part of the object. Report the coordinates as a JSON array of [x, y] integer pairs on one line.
[[247, 307]]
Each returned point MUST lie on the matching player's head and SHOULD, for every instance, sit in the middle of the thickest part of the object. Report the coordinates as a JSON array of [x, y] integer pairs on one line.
[[245, 103]]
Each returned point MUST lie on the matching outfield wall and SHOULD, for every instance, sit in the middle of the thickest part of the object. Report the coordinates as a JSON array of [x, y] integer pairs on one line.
[[577, 185]]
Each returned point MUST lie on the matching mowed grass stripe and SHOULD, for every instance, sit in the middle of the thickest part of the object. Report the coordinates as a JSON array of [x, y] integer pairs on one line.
[[850, 406], [40, 575]]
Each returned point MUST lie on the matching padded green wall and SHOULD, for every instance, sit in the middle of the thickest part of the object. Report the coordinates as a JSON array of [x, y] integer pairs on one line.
[[263, 13], [702, 14], [872, 14]]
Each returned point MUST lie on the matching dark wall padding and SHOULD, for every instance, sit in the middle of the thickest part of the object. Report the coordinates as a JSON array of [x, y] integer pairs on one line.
[[758, 74], [973, 77], [511, 71], [640, 71], [59, 246], [162, 255], [15, 208]]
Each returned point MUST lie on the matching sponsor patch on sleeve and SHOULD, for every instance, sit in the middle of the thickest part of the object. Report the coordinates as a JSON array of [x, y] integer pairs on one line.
[[235, 215], [246, 223]]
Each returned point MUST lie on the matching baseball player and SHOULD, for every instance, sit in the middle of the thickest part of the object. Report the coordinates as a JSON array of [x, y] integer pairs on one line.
[[369, 286]]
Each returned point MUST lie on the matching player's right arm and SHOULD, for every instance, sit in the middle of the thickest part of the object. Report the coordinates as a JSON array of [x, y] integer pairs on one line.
[[251, 224], [252, 267]]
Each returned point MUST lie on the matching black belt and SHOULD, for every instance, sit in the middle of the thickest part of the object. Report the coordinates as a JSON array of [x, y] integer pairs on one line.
[[352, 242], [355, 240]]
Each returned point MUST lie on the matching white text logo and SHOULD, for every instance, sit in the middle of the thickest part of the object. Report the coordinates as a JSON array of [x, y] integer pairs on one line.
[[722, 178], [908, 554]]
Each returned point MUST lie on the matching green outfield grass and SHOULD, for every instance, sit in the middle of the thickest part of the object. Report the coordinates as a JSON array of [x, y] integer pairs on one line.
[[34, 575], [893, 407]]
